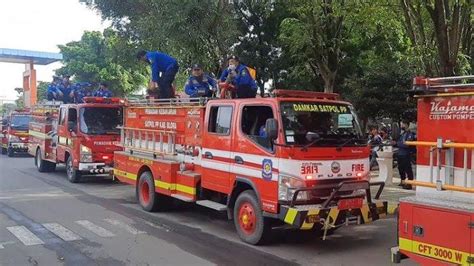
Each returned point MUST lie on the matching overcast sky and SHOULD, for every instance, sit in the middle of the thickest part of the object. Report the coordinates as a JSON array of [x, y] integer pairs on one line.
[[40, 25]]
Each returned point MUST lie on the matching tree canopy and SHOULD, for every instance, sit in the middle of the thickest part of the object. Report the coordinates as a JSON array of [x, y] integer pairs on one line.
[[366, 50]]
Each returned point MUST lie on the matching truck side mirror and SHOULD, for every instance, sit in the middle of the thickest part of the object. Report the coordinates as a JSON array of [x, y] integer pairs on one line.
[[271, 128], [395, 131]]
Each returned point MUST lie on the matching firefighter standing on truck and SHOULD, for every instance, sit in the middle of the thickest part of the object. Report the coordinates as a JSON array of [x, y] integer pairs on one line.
[[163, 64], [238, 75], [82, 89], [199, 84], [53, 92], [103, 91], [67, 90]]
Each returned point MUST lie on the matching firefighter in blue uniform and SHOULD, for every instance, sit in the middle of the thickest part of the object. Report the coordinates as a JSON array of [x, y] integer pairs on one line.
[[103, 91], [199, 84], [53, 92], [238, 75], [81, 90], [163, 72], [67, 89]]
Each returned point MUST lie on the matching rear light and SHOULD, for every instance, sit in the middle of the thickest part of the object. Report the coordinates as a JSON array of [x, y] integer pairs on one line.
[[105, 157], [308, 177], [359, 174]]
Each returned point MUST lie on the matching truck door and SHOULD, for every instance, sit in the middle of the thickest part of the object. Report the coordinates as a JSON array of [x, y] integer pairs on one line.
[[216, 150], [61, 132]]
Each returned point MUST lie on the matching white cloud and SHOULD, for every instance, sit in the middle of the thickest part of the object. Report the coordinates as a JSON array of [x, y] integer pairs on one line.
[[40, 25]]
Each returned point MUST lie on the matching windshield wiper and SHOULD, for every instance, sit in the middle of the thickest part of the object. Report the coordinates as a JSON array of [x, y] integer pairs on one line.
[[305, 147], [339, 147]]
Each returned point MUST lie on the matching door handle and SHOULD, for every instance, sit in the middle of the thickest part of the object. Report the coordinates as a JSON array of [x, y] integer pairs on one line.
[[239, 160], [208, 155]]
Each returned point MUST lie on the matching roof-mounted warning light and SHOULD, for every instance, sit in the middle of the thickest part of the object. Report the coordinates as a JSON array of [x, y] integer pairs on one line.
[[443, 84], [305, 94], [103, 100]]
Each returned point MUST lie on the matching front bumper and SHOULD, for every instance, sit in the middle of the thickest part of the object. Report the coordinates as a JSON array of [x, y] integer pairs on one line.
[[18, 146], [329, 214], [95, 168]]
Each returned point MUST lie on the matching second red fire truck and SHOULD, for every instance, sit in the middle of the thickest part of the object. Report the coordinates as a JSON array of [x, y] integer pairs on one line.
[[82, 136], [299, 158]]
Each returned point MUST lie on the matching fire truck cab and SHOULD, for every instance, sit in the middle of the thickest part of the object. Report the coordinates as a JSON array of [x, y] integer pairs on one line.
[[14, 134], [82, 136], [298, 158], [436, 226]]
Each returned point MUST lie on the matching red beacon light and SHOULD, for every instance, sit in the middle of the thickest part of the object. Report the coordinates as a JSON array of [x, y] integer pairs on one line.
[[102, 100]]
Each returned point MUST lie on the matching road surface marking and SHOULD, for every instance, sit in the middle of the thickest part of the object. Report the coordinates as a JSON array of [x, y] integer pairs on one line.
[[124, 226], [25, 235], [61, 231], [100, 231]]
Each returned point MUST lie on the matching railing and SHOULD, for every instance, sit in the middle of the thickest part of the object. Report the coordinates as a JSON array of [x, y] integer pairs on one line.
[[449, 148], [148, 140], [173, 102]]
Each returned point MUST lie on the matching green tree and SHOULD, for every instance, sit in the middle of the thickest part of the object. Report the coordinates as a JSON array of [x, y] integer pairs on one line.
[[41, 90], [101, 57]]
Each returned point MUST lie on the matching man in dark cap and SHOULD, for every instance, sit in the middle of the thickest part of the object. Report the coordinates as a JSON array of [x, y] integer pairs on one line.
[[81, 90], [199, 84], [404, 153], [163, 72], [238, 75], [103, 91]]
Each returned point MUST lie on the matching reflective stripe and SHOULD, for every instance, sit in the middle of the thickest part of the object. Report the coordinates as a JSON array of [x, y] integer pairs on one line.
[[159, 183], [436, 252], [39, 134], [291, 215], [306, 225]]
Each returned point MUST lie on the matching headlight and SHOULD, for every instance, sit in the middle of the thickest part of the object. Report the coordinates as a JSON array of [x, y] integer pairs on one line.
[[86, 158], [85, 149], [13, 138], [287, 186]]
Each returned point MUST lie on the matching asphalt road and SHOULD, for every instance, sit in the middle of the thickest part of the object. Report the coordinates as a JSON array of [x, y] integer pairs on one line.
[[45, 220]]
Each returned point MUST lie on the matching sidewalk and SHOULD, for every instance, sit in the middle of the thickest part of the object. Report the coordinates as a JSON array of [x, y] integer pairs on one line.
[[392, 193]]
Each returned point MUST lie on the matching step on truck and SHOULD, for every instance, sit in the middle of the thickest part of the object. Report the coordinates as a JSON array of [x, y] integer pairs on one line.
[[298, 158], [82, 136], [14, 134], [436, 226]]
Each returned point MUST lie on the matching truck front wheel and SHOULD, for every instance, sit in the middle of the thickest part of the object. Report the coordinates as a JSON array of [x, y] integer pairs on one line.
[[73, 175], [147, 197], [249, 222], [4, 150], [10, 152]]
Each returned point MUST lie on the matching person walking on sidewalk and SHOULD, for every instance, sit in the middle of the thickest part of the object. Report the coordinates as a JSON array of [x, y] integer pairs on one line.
[[404, 154]]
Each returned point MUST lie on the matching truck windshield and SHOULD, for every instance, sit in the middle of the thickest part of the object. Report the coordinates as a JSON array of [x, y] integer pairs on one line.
[[20, 122], [100, 120], [320, 124]]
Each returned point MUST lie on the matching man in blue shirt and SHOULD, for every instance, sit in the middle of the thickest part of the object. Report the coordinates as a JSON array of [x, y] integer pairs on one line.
[[163, 72], [53, 92], [238, 75], [67, 89], [103, 91], [81, 90], [199, 84]]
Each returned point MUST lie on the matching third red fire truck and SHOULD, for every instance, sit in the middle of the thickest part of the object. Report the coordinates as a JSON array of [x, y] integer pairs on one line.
[[436, 227], [298, 158], [82, 136], [14, 134]]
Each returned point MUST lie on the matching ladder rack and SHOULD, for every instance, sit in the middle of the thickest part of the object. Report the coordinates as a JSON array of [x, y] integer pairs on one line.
[[148, 140], [448, 147]]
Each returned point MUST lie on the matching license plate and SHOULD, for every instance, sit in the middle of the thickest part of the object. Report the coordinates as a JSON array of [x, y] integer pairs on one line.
[[346, 204]]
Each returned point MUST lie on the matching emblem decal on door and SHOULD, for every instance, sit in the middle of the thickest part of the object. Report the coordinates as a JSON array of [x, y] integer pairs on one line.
[[267, 166]]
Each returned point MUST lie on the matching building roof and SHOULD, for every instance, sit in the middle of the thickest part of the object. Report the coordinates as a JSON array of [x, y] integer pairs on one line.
[[26, 56]]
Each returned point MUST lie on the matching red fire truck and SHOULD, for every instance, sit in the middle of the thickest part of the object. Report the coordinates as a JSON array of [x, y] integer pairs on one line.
[[82, 136], [436, 226], [298, 158], [14, 135]]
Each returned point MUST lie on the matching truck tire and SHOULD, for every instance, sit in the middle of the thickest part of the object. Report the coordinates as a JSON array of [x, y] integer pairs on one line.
[[4, 150], [147, 197], [73, 175], [43, 165], [249, 222], [10, 152]]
